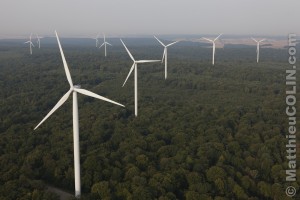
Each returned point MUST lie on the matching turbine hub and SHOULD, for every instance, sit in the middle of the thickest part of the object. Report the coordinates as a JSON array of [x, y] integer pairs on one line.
[[77, 86]]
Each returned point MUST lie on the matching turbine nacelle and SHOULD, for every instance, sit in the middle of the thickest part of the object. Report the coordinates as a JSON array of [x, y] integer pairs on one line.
[[104, 44], [164, 58], [30, 43], [135, 62], [38, 40], [134, 67], [258, 41], [214, 46], [210, 40], [257, 47], [164, 44], [74, 89], [96, 38]]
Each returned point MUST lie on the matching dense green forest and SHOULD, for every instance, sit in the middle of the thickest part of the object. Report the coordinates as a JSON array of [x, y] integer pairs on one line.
[[205, 133]]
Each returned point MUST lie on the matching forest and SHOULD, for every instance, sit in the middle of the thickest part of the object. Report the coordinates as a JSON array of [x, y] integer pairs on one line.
[[205, 133]]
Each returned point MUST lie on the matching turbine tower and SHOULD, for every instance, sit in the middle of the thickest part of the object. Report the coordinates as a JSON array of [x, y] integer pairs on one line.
[[30, 44], [134, 67], [97, 41], [165, 54], [104, 43], [74, 89], [38, 40], [214, 47], [257, 47]]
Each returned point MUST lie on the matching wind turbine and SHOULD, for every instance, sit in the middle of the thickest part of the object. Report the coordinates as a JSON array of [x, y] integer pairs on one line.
[[104, 43], [165, 54], [38, 40], [30, 44], [74, 89], [214, 47], [134, 66], [96, 38], [257, 47]]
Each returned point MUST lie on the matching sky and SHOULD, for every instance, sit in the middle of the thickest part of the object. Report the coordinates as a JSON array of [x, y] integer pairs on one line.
[[141, 17]]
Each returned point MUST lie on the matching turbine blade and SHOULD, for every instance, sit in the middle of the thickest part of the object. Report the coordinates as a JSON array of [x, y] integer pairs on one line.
[[101, 45], [91, 94], [147, 61], [160, 41], [262, 40], [64, 62], [172, 43], [131, 69], [58, 104], [127, 51], [218, 37], [109, 44], [162, 60], [207, 39], [254, 40], [26, 42]]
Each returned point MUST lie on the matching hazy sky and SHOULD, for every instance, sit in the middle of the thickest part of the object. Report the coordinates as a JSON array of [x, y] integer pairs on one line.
[[122, 17]]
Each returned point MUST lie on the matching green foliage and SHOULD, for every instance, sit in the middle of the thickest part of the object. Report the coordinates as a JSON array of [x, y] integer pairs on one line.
[[102, 190], [204, 133]]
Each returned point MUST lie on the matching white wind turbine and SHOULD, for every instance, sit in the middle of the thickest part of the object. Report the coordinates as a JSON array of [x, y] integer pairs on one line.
[[214, 47], [257, 47], [165, 54], [104, 43], [134, 66], [30, 44], [74, 89], [38, 40], [97, 41]]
